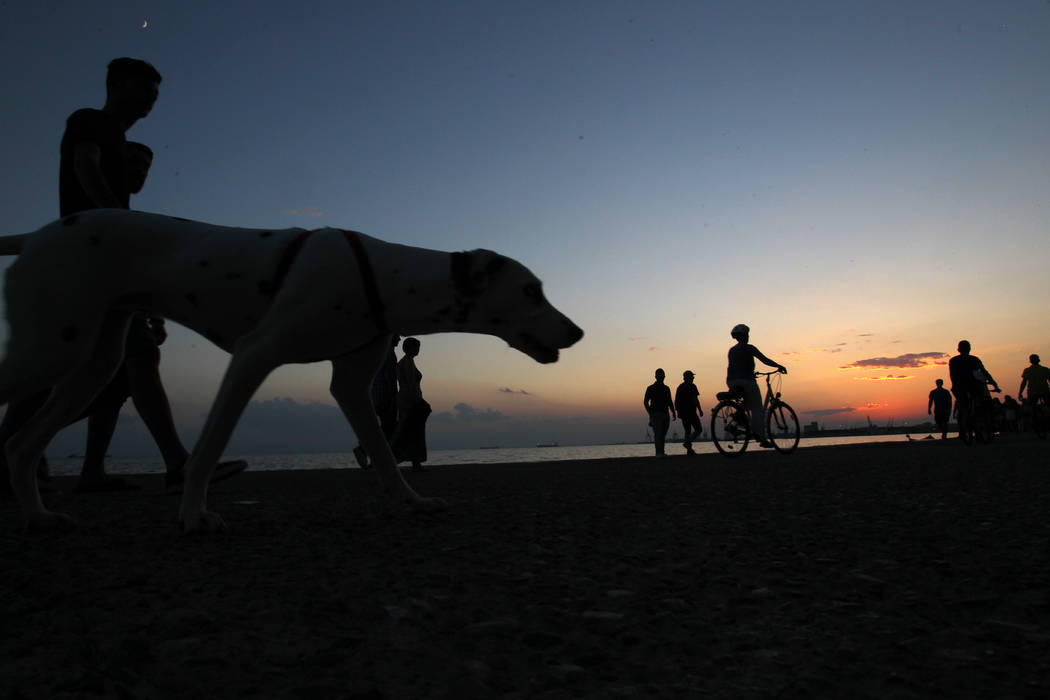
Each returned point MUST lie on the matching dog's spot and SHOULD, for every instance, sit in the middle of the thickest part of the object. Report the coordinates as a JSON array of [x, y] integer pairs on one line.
[[251, 319], [192, 298], [70, 333], [94, 240], [337, 307], [203, 263], [230, 276], [70, 220], [411, 290], [397, 271], [266, 287], [265, 234]]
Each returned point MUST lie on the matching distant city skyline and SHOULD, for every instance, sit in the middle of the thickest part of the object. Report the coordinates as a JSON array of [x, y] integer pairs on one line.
[[863, 184]]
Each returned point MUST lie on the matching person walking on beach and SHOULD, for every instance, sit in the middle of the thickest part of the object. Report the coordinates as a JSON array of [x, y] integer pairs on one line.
[[410, 439], [969, 381], [384, 400], [658, 405], [94, 173], [740, 377], [940, 405], [687, 404], [1037, 379]]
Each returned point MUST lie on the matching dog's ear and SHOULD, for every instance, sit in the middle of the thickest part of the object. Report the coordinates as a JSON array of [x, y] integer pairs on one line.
[[471, 271]]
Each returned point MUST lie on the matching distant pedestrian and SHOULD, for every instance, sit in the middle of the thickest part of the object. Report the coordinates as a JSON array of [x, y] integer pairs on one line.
[[410, 439], [1037, 379], [384, 400], [940, 405], [660, 408], [687, 403]]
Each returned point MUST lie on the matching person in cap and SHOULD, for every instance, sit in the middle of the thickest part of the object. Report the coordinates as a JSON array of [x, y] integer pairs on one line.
[[740, 377], [687, 403]]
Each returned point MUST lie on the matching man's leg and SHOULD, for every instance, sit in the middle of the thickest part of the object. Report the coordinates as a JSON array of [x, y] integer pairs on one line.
[[661, 422], [151, 401], [18, 412], [753, 401], [102, 416]]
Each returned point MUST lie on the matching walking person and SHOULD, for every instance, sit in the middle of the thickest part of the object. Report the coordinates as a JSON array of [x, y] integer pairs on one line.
[[658, 405], [940, 405], [384, 401], [409, 443], [740, 376], [687, 404]]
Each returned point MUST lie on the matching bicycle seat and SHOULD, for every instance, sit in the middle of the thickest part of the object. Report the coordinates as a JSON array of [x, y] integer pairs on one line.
[[729, 395]]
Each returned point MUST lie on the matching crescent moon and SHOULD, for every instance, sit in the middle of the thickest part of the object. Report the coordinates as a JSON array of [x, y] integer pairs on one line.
[[144, 23]]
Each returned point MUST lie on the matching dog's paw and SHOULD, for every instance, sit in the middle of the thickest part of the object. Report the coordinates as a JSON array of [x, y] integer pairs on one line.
[[203, 523], [48, 521]]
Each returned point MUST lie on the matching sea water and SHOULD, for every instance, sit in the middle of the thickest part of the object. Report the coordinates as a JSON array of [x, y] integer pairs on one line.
[[441, 458]]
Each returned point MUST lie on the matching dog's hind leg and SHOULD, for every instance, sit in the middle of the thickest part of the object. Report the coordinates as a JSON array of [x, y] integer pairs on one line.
[[70, 397], [352, 376], [253, 359]]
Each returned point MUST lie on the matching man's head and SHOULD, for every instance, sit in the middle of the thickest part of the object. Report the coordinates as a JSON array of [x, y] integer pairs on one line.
[[740, 332], [660, 374], [688, 376], [138, 157], [1033, 358], [410, 346], [940, 383], [964, 347], [132, 86]]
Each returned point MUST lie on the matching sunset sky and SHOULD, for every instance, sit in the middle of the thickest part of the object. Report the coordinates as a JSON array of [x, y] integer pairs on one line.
[[862, 183]]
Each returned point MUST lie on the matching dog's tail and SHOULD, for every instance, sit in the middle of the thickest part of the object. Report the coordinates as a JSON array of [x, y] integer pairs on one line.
[[12, 245]]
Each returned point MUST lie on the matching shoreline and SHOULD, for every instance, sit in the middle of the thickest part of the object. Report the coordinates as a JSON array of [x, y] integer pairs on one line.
[[867, 570]]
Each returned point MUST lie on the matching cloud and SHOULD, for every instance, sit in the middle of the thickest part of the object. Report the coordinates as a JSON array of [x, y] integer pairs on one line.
[[888, 377], [305, 211], [508, 390], [637, 337], [829, 411], [865, 335], [910, 360], [467, 413], [653, 347]]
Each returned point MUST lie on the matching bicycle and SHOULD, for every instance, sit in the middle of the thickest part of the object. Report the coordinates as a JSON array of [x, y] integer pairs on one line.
[[731, 421], [975, 419]]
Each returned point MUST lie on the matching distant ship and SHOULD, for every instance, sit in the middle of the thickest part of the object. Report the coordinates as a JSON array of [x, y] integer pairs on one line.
[[548, 444]]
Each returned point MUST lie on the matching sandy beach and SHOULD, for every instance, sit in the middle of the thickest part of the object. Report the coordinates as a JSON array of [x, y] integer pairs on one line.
[[898, 570]]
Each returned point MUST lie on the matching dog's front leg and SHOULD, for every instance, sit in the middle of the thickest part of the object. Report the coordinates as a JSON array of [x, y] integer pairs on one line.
[[251, 362], [352, 376]]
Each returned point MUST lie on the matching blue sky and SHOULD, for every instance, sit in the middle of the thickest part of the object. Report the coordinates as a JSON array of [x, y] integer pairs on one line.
[[868, 178]]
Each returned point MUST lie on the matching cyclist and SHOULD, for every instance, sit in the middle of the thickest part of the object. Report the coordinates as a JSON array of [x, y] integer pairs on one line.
[[740, 377], [1037, 379], [969, 380]]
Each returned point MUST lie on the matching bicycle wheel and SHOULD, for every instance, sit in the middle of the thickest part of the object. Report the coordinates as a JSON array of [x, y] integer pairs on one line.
[[729, 429], [983, 431], [782, 427], [965, 419]]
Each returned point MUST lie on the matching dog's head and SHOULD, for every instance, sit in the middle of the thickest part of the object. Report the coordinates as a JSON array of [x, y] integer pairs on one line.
[[499, 296]]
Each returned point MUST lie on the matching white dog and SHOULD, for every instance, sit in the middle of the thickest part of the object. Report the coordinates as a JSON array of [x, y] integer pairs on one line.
[[267, 297]]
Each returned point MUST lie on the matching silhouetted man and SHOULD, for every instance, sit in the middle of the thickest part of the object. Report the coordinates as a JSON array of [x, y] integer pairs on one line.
[[969, 380], [660, 408], [740, 376], [940, 405], [687, 403], [1037, 379]]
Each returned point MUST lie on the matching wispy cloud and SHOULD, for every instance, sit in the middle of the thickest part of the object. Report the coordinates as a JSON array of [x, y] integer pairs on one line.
[[886, 378], [305, 211], [508, 390], [467, 413], [830, 411], [653, 347], [908, 360]]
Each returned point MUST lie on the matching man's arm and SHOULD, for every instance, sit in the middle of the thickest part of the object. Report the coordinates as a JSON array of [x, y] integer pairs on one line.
[[1024, 383], [929, 405], [767, 361], [989, 377], [87, 164]]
